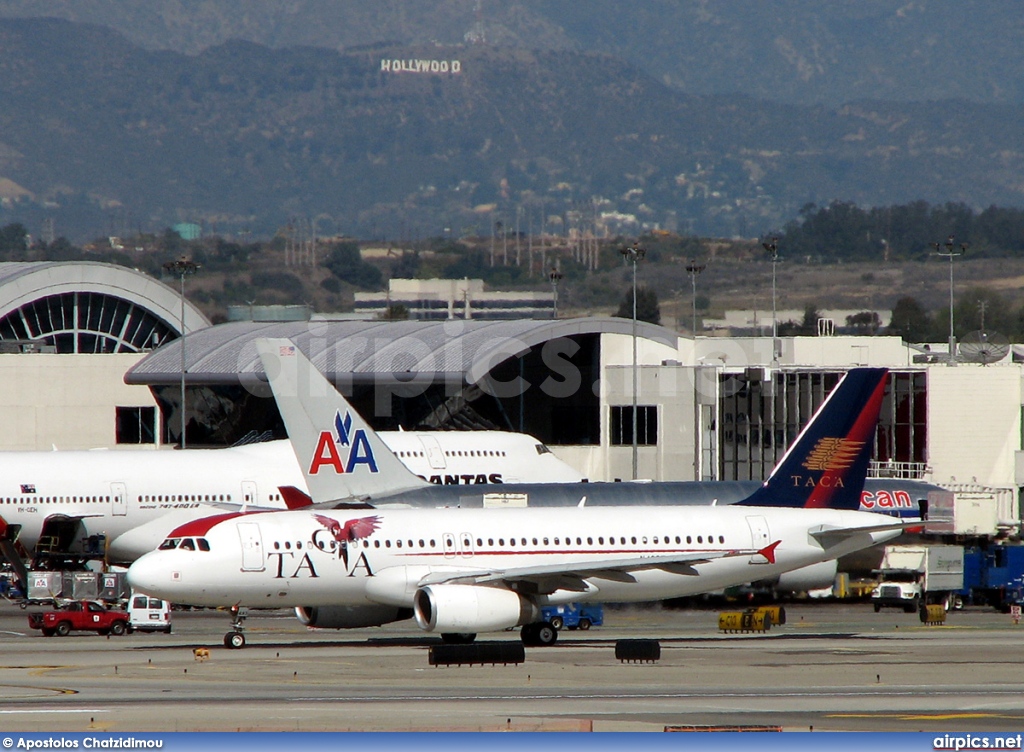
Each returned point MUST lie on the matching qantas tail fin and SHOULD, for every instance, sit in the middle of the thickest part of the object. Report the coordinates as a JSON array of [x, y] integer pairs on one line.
[[340, 455], [826, 465]]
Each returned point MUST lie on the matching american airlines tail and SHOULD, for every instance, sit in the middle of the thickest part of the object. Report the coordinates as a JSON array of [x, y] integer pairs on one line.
[[339, 454], [827, 464]]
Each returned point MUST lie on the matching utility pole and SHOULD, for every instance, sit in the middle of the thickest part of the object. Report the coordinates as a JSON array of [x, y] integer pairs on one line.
[[694, 269]]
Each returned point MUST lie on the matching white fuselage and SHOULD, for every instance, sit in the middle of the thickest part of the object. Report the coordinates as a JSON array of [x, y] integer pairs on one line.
[[118, 490], [291, 559]]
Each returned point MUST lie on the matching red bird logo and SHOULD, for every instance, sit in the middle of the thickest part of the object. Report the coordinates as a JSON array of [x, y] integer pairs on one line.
[[351, 530]]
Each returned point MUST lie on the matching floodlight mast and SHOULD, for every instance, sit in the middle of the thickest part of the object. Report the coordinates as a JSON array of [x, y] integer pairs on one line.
[[634, 254], [182, 267], [952, 250]]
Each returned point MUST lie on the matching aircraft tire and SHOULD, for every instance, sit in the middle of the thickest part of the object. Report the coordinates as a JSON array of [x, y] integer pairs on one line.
[[545, 633], [234, 640], [528, 634]]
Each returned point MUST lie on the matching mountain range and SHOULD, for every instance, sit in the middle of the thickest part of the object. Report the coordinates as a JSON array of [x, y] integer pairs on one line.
[[446, 117]]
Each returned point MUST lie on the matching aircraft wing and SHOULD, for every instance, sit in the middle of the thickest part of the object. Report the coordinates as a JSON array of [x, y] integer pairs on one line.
[[550, 577], [833, 536]]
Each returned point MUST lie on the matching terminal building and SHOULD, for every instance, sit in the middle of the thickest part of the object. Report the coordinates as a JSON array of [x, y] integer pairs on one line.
[[441, 299], [706, 408]]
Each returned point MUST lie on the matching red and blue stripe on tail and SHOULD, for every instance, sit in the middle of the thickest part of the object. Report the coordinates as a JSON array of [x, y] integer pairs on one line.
[[827, 464]]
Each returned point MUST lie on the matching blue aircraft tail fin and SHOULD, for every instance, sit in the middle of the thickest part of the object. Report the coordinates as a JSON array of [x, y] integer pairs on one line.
[[827, 464]]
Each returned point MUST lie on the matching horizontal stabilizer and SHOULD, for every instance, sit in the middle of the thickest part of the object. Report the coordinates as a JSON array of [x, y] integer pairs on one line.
[[830, 537]]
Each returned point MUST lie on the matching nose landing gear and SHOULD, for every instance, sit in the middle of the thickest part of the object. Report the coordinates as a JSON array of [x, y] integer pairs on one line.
[[235, 639]]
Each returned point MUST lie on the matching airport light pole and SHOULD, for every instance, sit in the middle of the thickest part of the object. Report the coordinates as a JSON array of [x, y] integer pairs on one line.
[[182, 268], [772, 247], [554, 275], [952, 250], [634, 254], [694, 269]]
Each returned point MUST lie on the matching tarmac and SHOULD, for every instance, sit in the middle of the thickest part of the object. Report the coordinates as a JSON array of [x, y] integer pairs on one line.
[[832, 666]]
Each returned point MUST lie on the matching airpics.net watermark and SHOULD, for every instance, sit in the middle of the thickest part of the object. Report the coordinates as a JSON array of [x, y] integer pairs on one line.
[[977, 741], [408, 367]]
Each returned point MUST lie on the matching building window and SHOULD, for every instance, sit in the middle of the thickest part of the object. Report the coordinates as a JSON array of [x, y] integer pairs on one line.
[[136, 425], [646, 425]]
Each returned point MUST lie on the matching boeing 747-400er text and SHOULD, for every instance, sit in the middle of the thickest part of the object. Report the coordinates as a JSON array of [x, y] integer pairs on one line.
[[464, 571]]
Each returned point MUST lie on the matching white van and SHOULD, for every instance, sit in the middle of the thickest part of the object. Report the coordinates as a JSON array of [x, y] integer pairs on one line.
[[147, 614]]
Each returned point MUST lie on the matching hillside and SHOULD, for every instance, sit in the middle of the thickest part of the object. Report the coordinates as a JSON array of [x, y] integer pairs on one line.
[[105, 137], [801, 51]]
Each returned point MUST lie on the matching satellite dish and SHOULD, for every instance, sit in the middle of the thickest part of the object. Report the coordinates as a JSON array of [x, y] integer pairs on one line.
[[984, 347]]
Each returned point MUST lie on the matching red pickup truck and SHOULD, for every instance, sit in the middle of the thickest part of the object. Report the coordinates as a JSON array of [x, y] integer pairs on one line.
[[82, 615]]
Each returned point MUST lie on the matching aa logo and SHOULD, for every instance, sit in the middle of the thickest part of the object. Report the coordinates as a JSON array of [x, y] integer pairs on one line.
[[344, 449]]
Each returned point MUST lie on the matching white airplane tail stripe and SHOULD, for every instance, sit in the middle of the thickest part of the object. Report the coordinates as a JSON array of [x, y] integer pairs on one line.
[[341, 457]]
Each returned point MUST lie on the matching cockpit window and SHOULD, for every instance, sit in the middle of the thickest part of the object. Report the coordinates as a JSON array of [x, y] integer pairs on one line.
[[542, 449], [187, 544]]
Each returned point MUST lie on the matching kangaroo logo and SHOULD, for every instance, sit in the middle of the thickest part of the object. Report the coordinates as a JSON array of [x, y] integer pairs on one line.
[[353, 444]]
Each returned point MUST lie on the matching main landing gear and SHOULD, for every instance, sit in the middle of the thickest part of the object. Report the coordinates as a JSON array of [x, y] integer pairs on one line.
[[235, 639], [538, 633]]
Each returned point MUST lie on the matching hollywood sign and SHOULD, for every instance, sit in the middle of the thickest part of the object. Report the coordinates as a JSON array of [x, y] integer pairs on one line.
[[421, 66]]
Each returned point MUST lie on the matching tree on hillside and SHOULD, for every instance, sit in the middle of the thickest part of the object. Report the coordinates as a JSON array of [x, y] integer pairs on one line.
[[13, 242], [910, 320], [647, 308], [345, 263]]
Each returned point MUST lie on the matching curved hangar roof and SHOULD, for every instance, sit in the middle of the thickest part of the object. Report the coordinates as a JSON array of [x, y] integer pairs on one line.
[[409, 351], [89, 307]]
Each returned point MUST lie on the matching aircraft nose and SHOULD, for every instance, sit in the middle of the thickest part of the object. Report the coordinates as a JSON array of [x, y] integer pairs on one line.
[[154, 575]]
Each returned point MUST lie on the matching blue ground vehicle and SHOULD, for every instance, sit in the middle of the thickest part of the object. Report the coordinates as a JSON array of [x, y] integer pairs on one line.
[[574, 615], [994, 575]]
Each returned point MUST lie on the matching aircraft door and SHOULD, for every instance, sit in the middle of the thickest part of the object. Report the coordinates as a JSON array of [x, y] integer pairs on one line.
[[252, 546], [118, 499], [249, 492], [759, 537], [435, 455], [449, 546]]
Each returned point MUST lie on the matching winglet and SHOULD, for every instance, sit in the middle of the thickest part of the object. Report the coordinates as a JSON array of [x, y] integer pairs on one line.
[[768, 552], [341, 456]]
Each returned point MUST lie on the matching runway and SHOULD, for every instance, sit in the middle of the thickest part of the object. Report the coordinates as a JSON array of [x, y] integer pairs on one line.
[[831, 667]]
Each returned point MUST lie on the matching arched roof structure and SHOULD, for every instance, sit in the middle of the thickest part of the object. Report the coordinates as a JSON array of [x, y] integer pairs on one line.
[[90, 307], [407, 351]]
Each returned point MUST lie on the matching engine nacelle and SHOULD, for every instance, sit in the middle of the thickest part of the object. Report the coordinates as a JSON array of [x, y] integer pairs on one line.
[[813, 577], [471, 608], [350, 617]]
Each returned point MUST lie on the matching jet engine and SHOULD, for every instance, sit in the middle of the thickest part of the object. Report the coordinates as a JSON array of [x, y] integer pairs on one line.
[[350, 617], [813, 577], [471, 608]]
